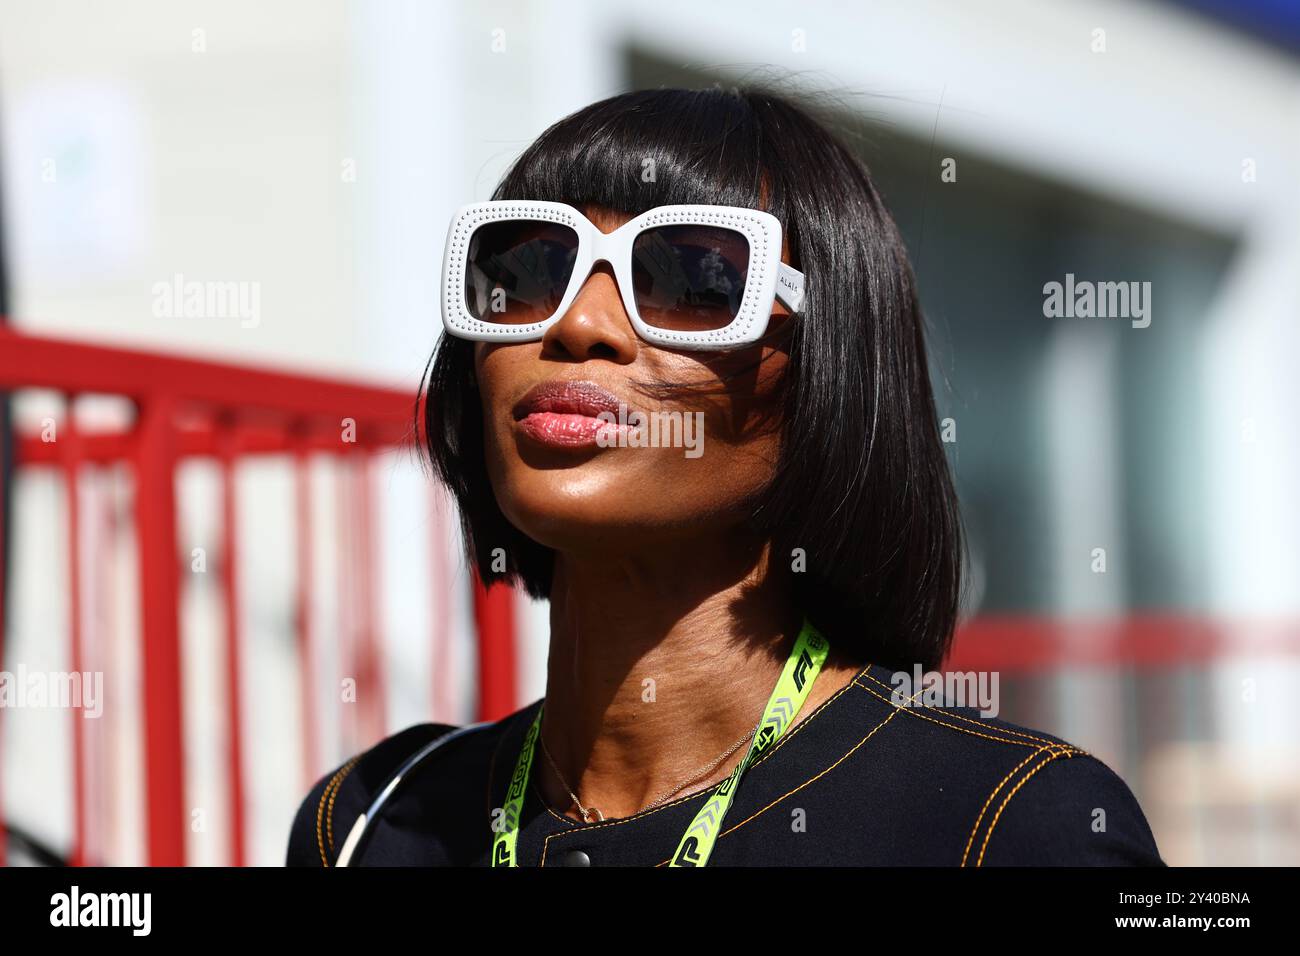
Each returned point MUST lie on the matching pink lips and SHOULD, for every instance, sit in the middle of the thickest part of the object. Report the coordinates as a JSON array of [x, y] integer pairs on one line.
[[563, 414]]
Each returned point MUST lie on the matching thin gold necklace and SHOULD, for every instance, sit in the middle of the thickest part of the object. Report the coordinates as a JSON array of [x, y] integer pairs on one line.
[[587, 812]]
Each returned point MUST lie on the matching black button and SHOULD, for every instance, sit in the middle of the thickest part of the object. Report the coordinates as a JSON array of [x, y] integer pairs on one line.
[[576, 858]]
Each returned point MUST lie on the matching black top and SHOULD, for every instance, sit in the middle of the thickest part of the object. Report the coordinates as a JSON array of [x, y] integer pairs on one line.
[[858, 782]]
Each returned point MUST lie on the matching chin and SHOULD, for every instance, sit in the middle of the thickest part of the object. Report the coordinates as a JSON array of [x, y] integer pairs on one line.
[[572, 516], [571, 523]]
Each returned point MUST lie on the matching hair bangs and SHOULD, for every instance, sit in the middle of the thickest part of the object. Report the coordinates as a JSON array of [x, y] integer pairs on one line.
[[631, 153]]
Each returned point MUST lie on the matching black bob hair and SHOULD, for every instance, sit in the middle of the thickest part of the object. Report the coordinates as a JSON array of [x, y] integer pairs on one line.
[[862, 485]]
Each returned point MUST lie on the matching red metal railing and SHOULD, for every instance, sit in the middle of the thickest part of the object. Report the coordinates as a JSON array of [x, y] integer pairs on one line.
[[186, 408]]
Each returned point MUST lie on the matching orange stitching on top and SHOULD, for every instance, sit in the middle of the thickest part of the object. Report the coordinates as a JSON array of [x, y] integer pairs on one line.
[[578, 828], [335, 781], [329, 814], [1002, 740], [975, 829], [987, 835], [1041, 740], [320, 812]]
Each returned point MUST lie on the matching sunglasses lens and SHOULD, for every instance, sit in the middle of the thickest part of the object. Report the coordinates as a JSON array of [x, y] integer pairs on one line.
[[517, 270], [689, 278]]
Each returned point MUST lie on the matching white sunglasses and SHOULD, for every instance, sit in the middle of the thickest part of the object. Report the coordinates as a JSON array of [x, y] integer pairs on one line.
[[691, 277]]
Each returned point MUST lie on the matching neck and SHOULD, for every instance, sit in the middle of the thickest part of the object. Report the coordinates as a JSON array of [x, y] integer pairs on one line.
[[658, 665]]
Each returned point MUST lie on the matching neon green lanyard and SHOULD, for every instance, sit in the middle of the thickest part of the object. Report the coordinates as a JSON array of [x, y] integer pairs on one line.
[[696, 846]]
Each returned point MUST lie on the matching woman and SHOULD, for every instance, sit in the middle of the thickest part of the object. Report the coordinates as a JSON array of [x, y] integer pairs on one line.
[[709, 440]]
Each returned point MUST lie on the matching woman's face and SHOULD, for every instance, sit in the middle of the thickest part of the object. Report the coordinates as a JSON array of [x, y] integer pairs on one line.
[[553, 479]]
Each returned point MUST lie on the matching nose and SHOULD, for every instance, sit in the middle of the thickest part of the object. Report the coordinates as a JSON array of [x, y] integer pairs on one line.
[[595, 326]]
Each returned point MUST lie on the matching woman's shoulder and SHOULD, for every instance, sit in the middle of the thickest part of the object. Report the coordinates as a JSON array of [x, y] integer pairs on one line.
[[346, 791], [1029, 797], [1063, 807], [326, 814]]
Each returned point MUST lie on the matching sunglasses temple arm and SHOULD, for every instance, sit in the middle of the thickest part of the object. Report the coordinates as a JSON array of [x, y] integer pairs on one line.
[[789, 287]]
